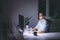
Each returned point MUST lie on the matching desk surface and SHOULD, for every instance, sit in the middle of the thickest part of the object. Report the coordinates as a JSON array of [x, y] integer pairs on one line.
[[55, 35]]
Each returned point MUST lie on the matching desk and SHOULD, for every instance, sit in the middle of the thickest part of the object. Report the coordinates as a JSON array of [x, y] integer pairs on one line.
[[45, 36]]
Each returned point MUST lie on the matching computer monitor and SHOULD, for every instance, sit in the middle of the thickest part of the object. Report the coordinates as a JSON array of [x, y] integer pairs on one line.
[[21, 22]]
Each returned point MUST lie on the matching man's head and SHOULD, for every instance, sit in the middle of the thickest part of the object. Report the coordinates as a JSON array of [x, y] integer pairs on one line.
[[41, 15]]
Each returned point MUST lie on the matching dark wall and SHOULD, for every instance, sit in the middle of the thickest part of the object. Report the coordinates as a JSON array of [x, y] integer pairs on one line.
[[42, 6], [54, 8]]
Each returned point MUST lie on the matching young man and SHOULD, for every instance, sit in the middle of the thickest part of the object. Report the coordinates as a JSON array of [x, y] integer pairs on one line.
[[41, 25]]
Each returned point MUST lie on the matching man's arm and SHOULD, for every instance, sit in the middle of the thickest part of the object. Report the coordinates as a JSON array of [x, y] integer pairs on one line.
[[41, 31]]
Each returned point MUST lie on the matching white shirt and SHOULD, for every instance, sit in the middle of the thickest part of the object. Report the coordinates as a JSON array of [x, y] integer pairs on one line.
[[41, 25]]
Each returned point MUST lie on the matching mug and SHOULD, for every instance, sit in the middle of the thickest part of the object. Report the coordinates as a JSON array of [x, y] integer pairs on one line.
[[35, 33]]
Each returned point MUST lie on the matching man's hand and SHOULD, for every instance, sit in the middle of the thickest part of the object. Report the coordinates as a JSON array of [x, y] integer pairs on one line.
[[41, 31], [32, 29]]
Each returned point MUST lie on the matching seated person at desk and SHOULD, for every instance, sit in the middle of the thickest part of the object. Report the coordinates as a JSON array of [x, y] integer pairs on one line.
[[41, 27]]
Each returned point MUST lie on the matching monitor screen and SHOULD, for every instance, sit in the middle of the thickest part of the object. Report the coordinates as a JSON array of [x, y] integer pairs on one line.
[[21, 21]]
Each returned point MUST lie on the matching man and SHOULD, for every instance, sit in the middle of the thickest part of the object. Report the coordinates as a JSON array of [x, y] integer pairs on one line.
[[42, 24]]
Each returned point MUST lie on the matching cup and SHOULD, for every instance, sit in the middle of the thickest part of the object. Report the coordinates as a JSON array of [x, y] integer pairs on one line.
[[35, 33]]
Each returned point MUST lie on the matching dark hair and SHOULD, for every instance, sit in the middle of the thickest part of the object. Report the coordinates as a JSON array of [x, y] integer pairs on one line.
[[42, 13]]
